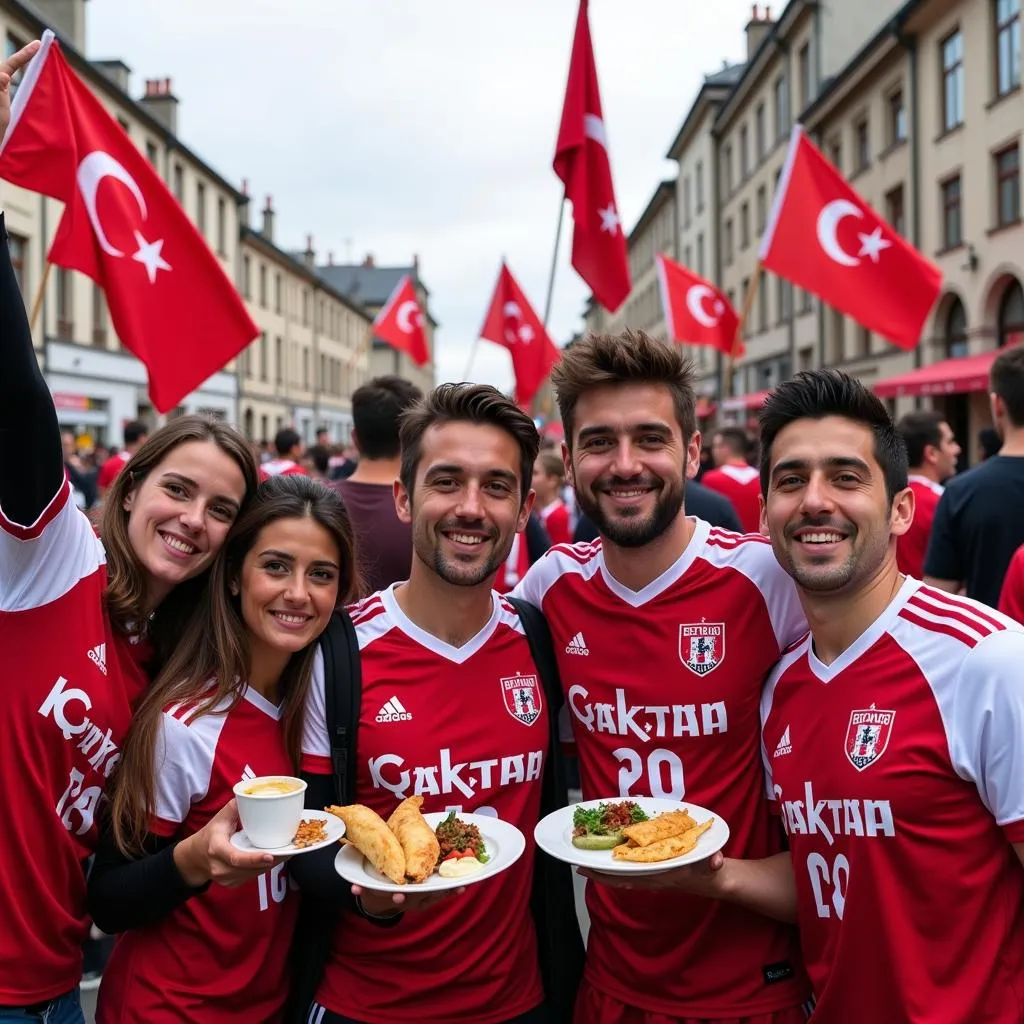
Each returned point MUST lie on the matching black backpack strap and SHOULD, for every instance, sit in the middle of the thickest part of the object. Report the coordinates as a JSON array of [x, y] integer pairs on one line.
[[343, 685], [538, 635]]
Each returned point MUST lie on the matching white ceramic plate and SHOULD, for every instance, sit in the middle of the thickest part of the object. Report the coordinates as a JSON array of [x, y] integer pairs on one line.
[[335, 830], [504, 843], [554, 836]]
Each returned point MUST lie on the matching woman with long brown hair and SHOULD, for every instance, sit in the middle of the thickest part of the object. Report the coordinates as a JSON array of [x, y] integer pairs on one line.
[[227, 706], [79, 620]]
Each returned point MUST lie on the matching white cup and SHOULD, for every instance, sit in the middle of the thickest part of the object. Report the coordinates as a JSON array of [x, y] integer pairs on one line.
[[270, 808]]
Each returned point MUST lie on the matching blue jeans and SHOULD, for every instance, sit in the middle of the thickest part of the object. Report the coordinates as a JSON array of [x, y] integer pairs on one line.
[[66, 1009]]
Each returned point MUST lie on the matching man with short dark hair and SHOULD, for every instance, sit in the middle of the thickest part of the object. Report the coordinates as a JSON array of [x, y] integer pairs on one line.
[[135, 434], [289, 447], [979, 522], [932, 452], [383, 541], [733, 477]]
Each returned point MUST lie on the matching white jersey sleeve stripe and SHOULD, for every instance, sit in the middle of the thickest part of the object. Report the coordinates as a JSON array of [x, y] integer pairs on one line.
[[315, 741], [582, 559], [768, 696], [183, 764]]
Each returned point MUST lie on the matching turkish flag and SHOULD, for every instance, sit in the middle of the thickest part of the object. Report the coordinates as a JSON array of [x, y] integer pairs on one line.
[[581, 161], [696, 312], [512, 322], [825, 238], [400, 323], [170, 301]]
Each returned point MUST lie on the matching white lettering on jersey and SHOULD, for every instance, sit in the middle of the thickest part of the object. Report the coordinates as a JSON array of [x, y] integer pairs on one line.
[[646, 721], [831, 818], [388, 771]]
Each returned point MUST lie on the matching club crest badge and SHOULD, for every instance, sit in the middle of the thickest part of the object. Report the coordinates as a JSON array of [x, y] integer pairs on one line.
[[867, 736], [522, 698], [702, 646]]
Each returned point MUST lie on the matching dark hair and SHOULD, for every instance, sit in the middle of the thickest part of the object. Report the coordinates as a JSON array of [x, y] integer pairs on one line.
[[989, 441], [126, 581], [735, 439], [134, 430], [377, 406], [214, 646], [285, 440], [1006, 379], [551, 464], [815, 394], [919, 430], [467, 403], [321, 457], [632, 357]]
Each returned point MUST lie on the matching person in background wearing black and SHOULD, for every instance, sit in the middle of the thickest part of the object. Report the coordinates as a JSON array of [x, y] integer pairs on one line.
[[83, 480], [383, 542], [979, 522]]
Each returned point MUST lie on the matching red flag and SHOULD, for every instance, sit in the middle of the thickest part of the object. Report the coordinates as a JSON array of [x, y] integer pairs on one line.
[[696, 312], [823, 237], [170, 301], [400, 323], [512, 322], [581, 161]]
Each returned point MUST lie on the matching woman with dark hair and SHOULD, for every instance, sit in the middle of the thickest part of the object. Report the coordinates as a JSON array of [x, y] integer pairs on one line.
[[79, 620], [227, 706]]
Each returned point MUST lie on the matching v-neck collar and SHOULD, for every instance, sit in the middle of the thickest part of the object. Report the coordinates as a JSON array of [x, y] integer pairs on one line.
[[637, 598], [867, 639], [456, 655]]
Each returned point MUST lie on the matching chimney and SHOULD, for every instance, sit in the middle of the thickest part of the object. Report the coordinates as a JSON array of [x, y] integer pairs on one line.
[[66, 17], [368, 262], [161, 103], [245, 186], [268, 221], [416, 264], [330, 259], [117, 71], [758, 27], [309, 256]]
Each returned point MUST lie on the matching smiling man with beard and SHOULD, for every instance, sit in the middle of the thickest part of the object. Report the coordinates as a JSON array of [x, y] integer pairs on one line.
[[665, 630]]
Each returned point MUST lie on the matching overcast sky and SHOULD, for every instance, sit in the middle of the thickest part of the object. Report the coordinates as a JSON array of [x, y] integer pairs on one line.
[[396, 127]]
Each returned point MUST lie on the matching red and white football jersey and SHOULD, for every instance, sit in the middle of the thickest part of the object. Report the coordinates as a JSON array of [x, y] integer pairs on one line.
[[63, 715], [663, 688], [111, 468], [555, 518], [741, 484], [221, 956], [280, 467], [466, 728], [913, 545], [899, 773]]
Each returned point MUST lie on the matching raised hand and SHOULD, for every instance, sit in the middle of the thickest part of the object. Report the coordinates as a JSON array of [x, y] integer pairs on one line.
[[8, 69]]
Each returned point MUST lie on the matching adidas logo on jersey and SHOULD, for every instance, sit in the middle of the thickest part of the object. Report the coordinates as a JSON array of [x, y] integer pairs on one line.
[[247, 774], [784, 747], [98, 655], [577, 645], [393, 711]]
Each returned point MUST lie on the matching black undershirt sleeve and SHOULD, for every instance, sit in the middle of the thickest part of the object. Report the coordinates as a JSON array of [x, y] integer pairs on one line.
[[127, 893], [31, 458]]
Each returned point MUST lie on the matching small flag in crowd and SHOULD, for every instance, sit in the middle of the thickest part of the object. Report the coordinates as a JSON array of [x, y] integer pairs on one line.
[[170, 300], [582, 162], [401, 323], [824, 237], [696, 312], [512, 322]]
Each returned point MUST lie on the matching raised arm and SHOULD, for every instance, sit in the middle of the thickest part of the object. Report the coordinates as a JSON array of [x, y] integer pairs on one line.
[[31, 460]]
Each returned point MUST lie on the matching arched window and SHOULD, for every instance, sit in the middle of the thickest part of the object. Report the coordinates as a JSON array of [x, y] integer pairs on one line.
[[956, 329], [1011, 313]]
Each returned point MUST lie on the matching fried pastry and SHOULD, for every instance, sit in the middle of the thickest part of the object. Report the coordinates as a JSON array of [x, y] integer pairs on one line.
[[663, 849], [367, 832], [662, 827], [419, 844]]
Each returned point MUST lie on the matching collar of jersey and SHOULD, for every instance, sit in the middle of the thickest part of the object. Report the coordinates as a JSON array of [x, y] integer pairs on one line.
[[867, 639], [671, 576], [457, 655]]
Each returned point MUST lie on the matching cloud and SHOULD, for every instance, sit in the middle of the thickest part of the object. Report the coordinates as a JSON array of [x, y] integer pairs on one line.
[[398, 127]]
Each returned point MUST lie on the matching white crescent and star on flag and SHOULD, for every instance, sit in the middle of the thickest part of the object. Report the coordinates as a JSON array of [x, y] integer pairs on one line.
[[832, 214], [92, 170], [593, 128], [696, 297], [514, 334], [408, 316]]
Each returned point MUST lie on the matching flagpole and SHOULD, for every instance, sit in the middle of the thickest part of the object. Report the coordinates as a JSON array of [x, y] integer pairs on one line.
[[748, 305], [37, 303], [554, 262], [469, 362]]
